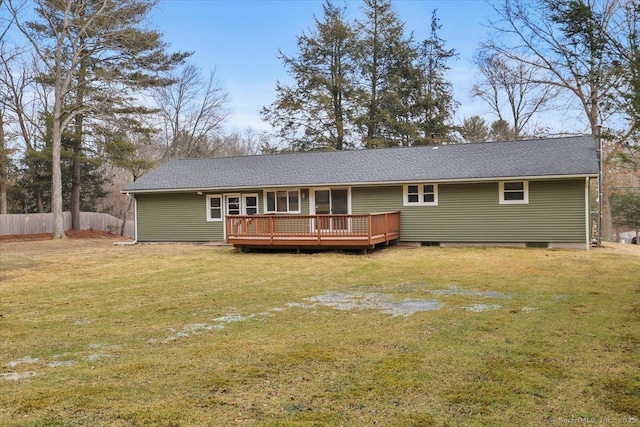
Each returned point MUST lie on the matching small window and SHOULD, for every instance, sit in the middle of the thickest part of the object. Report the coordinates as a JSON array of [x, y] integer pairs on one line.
[[413, 195], [214, 208], [514, 192], [282, 201], [421, 195], [233, 205], [428, 194], [250, 204]]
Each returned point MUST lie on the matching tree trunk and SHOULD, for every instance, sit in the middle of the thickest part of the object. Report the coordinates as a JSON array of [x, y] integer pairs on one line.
[[31, 166], [125, 216], [608, 154], [56, 179], [76, 174], [76, 161], [373, 113], [40, 202], [373, 106], [32, 172], [607, 221], [4, 160]]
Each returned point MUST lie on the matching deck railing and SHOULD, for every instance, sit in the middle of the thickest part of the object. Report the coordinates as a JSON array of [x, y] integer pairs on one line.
[[306, 230]]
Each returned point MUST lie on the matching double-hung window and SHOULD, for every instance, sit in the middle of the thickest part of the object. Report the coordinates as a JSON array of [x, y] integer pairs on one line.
[[282, 201], [514, 192], [420, 195], [250, 202], [214, 207]]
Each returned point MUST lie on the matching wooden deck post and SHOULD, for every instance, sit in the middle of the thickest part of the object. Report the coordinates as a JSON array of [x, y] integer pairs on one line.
[[272, 227], [386, 226]]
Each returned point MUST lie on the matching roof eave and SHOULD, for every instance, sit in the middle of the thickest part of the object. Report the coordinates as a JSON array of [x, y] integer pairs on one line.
[[363, 183]]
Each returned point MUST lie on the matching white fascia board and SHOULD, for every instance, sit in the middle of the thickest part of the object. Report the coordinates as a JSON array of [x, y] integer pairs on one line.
[[365, 183]]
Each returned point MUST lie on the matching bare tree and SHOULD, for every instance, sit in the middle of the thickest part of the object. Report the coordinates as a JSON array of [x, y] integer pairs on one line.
[[511, 91], [565, 44], [192, 112], [242, 143], [70, 34], [624, 52], [129, 148], [23, 100], [4, 160], [59, 51]]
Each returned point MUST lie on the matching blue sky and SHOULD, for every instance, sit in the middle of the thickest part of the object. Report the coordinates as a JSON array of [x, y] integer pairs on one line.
[[240, 39]]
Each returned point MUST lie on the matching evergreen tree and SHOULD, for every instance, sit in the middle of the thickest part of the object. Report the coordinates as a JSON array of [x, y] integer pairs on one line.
[[623, 49], [315, 112], [36, 188], [625, 210], [385, 60], [501, 130], [364, 85], [93, 52], [434, 106], [474, 129]]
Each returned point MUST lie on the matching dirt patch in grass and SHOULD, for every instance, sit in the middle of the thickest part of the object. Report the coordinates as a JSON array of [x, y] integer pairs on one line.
[[376, 301]]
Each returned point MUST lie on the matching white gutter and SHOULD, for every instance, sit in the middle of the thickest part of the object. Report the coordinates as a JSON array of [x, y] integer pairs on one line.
[[587, 213], [353, 184]]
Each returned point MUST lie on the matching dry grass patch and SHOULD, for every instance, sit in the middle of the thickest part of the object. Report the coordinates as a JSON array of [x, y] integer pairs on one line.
[[96, 334]]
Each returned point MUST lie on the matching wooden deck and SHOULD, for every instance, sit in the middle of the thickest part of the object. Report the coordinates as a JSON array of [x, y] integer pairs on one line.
[[362, 231]]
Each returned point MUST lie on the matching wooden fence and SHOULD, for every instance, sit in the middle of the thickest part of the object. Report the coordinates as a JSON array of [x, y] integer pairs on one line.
[[43, 223]]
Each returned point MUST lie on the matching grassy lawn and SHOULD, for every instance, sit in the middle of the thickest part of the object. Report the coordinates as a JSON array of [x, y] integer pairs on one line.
[[171, 335]]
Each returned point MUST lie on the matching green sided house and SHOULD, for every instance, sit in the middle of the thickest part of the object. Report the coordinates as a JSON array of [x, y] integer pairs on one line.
[[521, 193]]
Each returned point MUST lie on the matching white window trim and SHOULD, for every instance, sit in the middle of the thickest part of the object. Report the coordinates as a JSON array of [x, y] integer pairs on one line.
[[275, 190], [208, 207], [227, 196], [244, 202], [421, 202], [525, 188], [312, 198]]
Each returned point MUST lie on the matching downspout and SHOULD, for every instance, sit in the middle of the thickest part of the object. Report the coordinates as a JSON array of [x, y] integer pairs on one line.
[[135, 224], [600, 183], [587, 212]]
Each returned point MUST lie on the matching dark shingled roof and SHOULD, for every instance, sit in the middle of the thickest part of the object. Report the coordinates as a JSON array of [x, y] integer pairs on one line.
[[568, 156]]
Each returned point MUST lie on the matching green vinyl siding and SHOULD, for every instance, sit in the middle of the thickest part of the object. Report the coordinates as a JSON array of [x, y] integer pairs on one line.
[[472, 213], [376, 199], [176, 218], [304, 203], [182, 217], [466, 212]]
